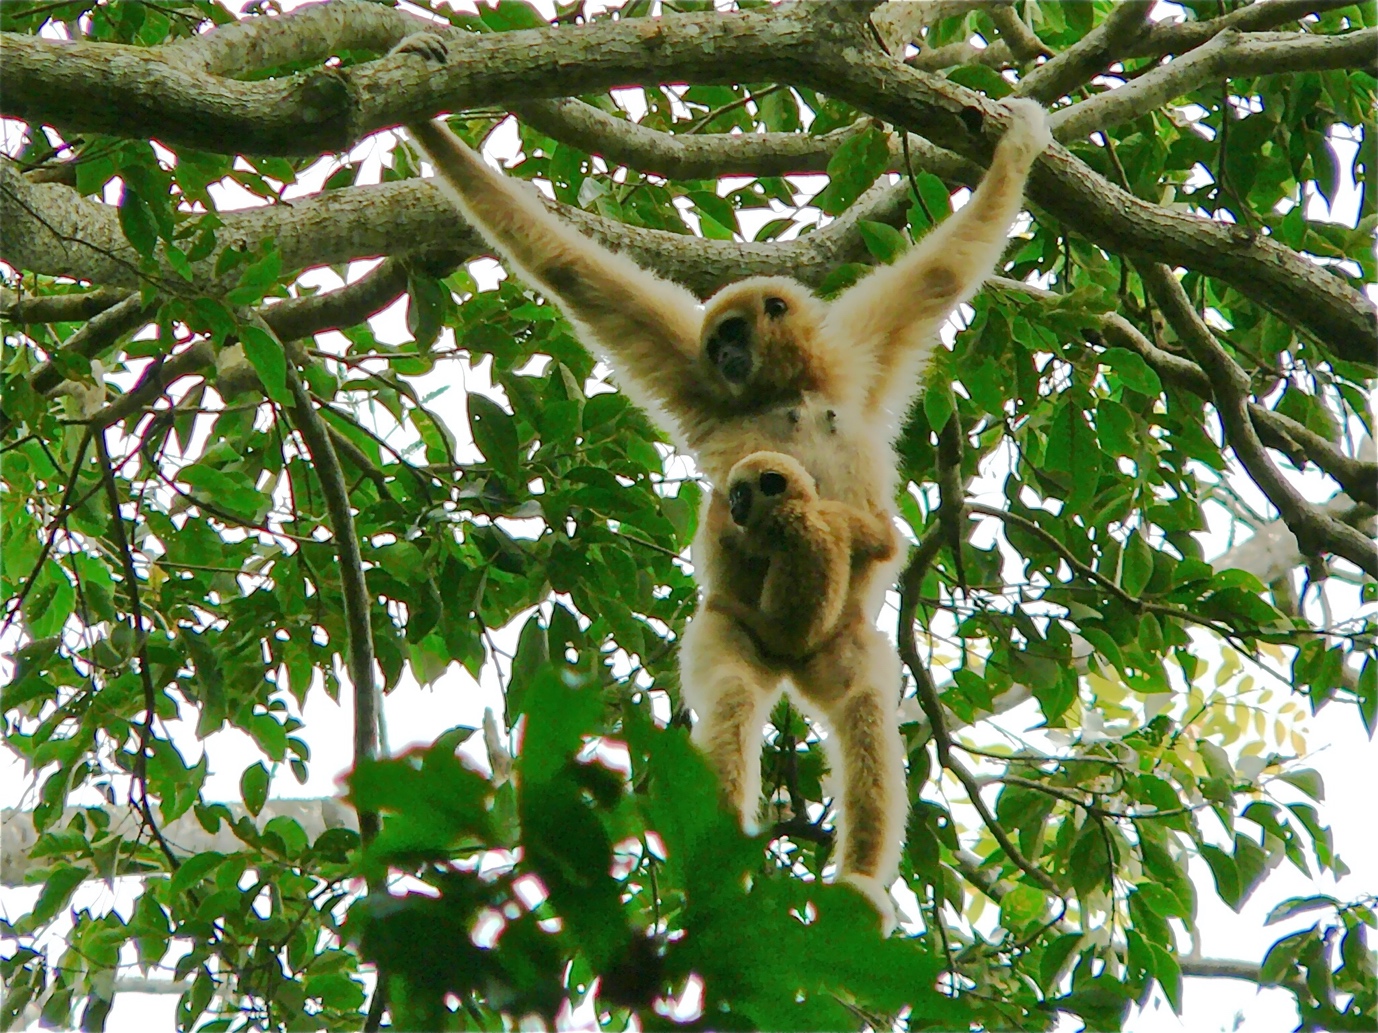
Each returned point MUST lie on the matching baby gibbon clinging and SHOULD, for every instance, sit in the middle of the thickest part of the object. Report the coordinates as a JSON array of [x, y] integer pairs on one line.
[[815, 550], [768, 366]]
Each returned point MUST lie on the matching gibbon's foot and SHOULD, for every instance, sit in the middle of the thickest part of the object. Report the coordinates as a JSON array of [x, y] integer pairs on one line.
[[879, 897], [425, 44], [1028, 132]]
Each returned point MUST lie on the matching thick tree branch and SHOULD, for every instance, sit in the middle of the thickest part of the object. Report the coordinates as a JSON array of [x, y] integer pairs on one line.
[[1316, 530], [790, 44], [57, 308], [1023, 43], [1229, 55]]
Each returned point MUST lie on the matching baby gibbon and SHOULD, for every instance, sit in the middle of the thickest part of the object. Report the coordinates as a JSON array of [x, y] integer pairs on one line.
[[815, 550], [768, 366]]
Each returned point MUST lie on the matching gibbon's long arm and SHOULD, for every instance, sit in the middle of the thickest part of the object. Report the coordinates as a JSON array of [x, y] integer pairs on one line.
[[896, 311], [648, 327]]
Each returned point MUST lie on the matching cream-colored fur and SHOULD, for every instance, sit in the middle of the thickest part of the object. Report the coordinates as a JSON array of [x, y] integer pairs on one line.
[[826, 383]]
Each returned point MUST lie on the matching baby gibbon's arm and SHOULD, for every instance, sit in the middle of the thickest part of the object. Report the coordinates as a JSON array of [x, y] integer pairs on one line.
[[896, 310], [872, 536], [647, 326]]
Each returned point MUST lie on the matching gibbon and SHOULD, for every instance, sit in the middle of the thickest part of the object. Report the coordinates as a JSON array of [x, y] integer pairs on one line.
[[768, 366], [816, 550]]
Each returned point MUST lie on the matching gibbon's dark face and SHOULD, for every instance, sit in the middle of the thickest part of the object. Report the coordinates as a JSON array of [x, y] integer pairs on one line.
[[739, 497], [744, 327]]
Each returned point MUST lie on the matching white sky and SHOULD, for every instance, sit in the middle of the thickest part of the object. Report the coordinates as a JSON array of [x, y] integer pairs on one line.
[[415, 715]]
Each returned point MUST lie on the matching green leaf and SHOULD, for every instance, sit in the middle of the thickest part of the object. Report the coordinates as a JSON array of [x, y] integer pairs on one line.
[[265, 354], [1137, 564], [137, 222], [253, 787], [1297, 906], [1226, 875], [884, 242], [1021, 906], [495, 434], [1308, 780], [1133, 371], [193, 870]]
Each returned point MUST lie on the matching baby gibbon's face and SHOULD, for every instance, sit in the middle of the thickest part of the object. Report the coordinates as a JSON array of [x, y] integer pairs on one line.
[[761, 481], [762, 328]]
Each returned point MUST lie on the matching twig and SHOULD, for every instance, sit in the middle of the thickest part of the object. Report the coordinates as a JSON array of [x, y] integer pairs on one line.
[[131, 577], [1315, 530]]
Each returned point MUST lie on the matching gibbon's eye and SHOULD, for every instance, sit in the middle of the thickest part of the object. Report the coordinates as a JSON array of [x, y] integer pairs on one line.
[[776, 307], [729, 349], [772, 483], [739, 502]]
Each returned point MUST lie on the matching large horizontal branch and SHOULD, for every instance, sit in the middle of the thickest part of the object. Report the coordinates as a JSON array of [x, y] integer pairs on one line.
[[1230, 55], [50, 228], [51, 81]]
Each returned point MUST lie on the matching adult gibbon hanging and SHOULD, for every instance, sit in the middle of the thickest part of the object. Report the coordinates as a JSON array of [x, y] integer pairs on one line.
[[767, 366]]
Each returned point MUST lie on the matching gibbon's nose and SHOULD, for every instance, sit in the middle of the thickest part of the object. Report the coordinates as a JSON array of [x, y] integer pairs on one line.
[[739, 502], [729, 349]]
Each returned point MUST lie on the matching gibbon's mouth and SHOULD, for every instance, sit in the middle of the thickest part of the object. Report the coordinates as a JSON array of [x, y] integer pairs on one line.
[[739, 502]]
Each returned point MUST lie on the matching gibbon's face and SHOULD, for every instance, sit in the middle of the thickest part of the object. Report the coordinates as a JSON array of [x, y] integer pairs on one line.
[[758, 338], [761, 481]]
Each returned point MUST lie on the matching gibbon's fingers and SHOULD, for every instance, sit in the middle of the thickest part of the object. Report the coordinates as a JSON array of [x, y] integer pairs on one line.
[[873, 536], [896, 310], [647, 326], [732, 695]]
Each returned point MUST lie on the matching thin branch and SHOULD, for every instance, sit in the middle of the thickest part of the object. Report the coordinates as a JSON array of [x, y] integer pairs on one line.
[[78, 306], [136, 618], [1229, 55], [1091, 54], [353, 582], [1316, 530]]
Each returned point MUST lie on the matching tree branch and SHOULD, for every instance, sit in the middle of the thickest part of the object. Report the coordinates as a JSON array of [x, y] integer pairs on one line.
[[1316, 530], [788, 45], [353, 582], [1179, 37], [1358, 477], [1231, 54], [1091, 54]]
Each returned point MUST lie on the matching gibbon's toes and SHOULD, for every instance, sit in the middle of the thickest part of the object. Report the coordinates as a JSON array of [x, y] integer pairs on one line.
[[425, 44], [879, 897], [1028, 130]]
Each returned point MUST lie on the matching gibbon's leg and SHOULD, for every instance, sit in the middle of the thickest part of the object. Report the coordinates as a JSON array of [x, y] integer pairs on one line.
[[649, 326], [732, 691], [896, 310], [856, 690]]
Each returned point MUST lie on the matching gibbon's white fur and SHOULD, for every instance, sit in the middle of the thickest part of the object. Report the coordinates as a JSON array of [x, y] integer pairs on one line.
[[767, 366], [816, 552]]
